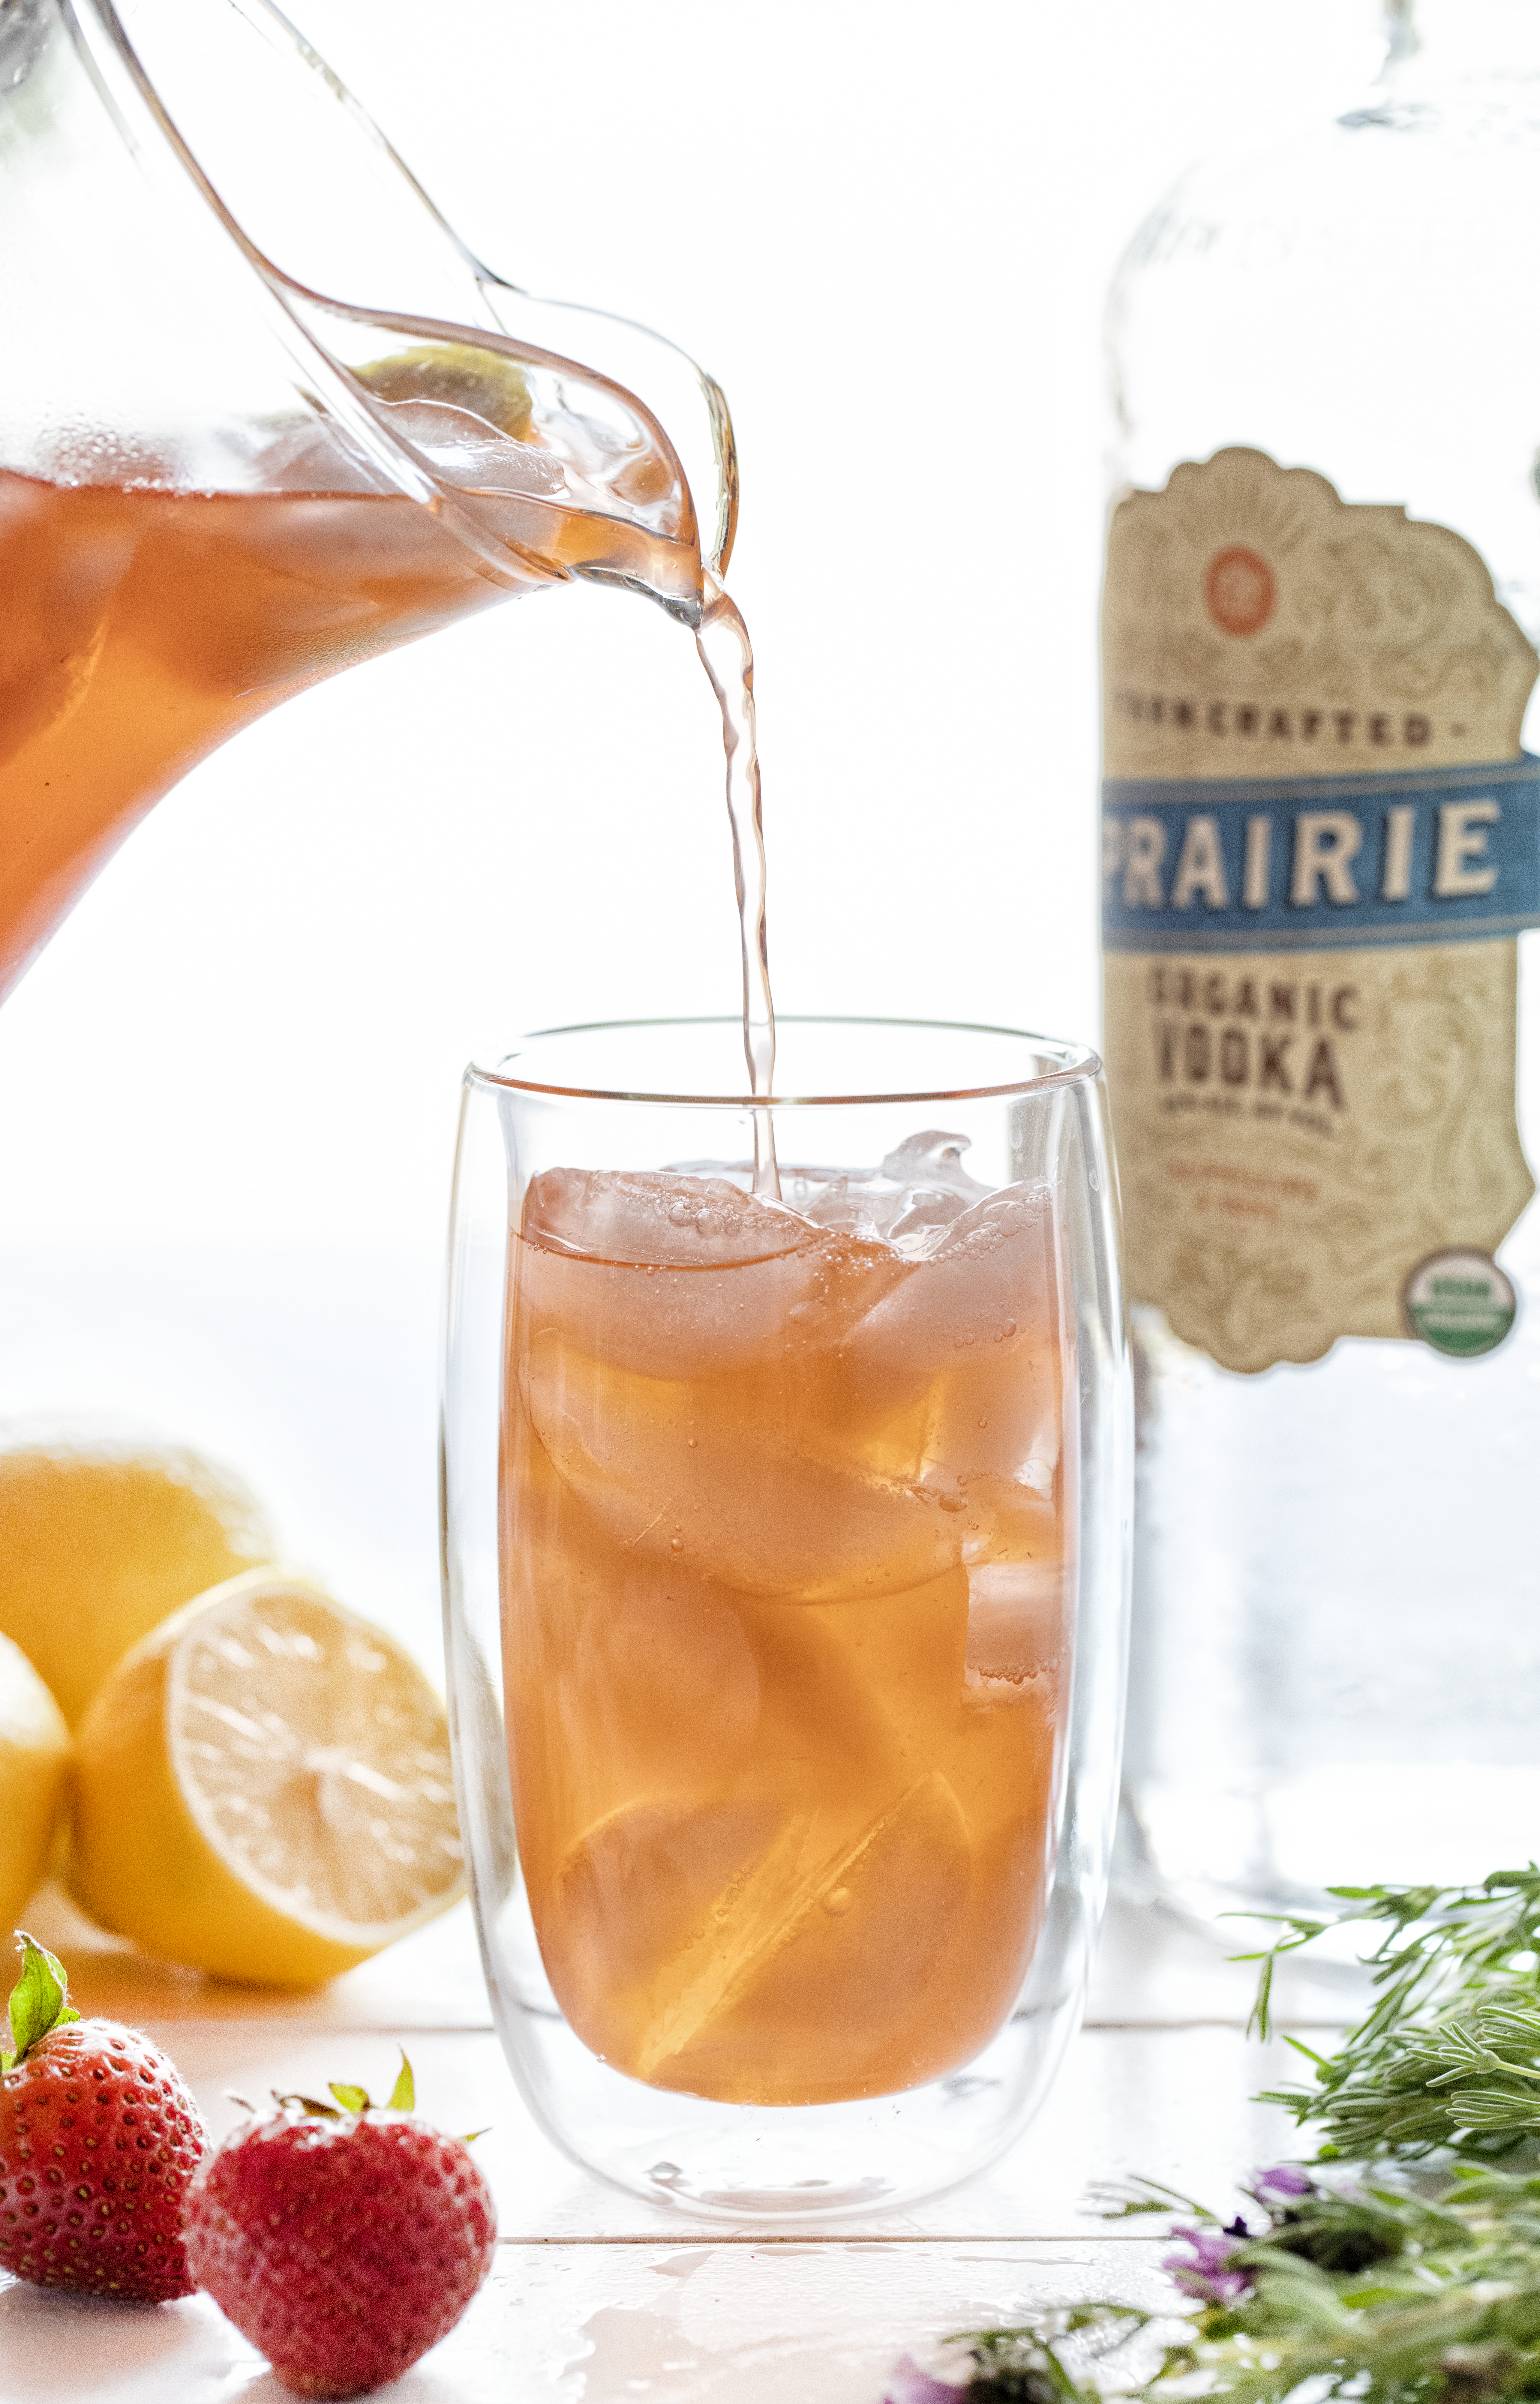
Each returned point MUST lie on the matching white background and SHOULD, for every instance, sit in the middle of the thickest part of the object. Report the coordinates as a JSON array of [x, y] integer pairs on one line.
[[227, 1090]]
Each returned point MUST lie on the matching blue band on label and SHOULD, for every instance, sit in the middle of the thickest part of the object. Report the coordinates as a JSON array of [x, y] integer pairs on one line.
[[1270, 863]]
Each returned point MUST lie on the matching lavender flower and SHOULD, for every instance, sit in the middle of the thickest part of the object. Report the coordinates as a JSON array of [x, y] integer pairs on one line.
[[1280, 2189], [908, 2385], [1205, 2271]]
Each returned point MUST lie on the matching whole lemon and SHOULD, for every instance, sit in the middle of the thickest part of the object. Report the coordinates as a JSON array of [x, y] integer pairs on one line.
[[99, 1541], [34, 1749]]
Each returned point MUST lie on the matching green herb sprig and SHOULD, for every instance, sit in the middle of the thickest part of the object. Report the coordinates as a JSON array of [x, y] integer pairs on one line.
[[1448, 2056], [1392, 2285], [1376, 2294]]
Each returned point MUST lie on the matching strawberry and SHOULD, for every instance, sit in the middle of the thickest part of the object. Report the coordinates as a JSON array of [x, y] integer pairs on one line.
[[342, 2240], [98, 2141]]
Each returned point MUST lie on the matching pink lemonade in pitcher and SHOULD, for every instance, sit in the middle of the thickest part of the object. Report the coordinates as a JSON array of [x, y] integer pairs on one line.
[[264, 417], [142, 624]]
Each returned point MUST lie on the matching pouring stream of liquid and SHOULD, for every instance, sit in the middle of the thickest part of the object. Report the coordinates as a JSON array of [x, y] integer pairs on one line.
[[723, 641]]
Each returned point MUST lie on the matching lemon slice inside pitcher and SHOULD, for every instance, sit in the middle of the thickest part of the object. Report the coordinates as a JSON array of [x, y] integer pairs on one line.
[[263, 1789], [456, 376]]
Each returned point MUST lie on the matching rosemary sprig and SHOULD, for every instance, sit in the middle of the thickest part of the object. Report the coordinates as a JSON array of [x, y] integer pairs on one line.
[[1374, 2293], [1448, 2055], [1389, 2288]]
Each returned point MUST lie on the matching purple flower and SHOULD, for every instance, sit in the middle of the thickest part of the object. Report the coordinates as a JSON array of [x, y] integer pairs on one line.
[[1283, 2185], [908, 2385], [1204, 2270]]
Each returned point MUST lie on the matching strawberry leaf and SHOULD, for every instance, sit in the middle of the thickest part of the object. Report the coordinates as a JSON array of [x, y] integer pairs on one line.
[[39, 2001], [403, 2095], [352, 2098], [308, 2104]]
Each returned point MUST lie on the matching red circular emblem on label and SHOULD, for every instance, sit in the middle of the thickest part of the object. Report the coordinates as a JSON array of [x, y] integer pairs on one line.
[[1240, 591]]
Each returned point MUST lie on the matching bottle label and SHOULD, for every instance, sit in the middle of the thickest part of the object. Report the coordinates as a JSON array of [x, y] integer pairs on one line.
[[1320, 839]]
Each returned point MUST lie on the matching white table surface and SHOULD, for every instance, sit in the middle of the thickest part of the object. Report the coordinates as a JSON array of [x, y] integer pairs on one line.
[[598, 2297]]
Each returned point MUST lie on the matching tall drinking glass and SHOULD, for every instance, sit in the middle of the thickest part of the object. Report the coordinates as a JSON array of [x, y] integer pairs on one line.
[[785, 1563]]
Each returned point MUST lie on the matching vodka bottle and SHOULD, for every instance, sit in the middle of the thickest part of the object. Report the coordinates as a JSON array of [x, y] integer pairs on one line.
[[1322, 843]]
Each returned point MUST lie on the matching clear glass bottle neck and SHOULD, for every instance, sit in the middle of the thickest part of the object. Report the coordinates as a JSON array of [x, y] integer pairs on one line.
[[1459, 39]]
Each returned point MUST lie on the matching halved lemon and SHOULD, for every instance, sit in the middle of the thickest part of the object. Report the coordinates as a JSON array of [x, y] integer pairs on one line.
[[35, 1751], [263, 1789], [101, 1539]]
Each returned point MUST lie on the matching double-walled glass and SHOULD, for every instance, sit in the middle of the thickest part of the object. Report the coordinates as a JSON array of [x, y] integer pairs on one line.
[[786, 1549]]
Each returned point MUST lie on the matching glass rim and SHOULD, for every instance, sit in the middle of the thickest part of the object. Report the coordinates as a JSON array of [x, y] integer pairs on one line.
[[1077, 1063]]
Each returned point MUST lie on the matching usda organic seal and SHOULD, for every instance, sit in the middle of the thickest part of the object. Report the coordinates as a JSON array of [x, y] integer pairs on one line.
[[1459, 1303]]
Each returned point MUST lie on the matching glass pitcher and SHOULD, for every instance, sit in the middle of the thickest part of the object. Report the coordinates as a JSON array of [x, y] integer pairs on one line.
[[265, 416]]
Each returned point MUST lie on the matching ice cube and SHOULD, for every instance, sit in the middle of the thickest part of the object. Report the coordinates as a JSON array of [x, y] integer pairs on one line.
[[935, 1158], [677, 1276], [56, 593], [706, 1478], [1019, 1619], [864, 1688], [292, 454], [666, 1217], [934, 1190], [623, 1676], [720, 1946], [838, 1198], [919, 1189], [468, 450], [992, 1276], [920, 1214], [818, 1998], [974, 1335], [654, 1906]]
